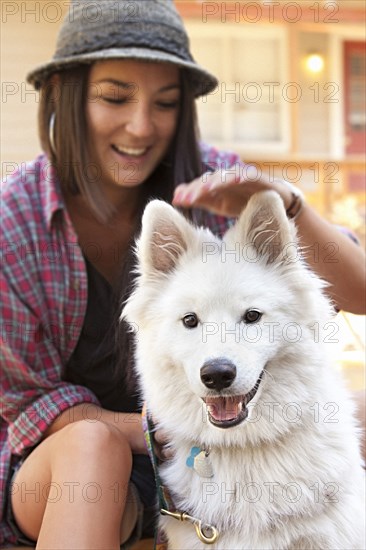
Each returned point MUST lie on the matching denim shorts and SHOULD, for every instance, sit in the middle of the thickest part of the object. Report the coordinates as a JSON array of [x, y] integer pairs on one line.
[[142, 484]]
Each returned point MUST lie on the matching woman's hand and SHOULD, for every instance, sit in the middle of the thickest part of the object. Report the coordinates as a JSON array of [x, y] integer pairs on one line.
[[160, 442], [225, 192]]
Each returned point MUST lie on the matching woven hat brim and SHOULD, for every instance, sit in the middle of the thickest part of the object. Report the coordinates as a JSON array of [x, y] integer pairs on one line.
[[203, 82]]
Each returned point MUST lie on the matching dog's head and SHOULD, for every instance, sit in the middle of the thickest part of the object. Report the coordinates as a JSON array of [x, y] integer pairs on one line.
[[215, 318]]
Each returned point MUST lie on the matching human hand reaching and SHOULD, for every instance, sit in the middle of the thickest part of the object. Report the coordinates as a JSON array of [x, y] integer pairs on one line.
[[226, 192]]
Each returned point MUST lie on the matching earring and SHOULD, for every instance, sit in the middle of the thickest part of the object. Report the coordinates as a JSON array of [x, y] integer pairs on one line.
[[51, 133]]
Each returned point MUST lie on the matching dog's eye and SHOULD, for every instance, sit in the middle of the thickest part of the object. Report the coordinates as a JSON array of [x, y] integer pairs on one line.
[[190, 320], [252, 316]]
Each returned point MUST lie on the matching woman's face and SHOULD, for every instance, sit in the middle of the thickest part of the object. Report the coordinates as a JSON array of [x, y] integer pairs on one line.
[[132, 112]]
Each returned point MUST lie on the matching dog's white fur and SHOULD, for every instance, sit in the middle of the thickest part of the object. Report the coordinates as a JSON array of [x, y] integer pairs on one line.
[[290, 476]]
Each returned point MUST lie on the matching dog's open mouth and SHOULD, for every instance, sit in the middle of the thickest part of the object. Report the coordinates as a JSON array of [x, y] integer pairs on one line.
[[229, 411]]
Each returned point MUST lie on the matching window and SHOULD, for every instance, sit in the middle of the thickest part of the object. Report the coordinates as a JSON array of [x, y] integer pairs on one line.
[[249, 111]]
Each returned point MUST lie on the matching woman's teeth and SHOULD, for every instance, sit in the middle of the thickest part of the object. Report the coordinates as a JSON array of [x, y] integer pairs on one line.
[[130, 151]]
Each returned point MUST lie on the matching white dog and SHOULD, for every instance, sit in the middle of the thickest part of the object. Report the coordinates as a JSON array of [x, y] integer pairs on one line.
[[231, 358]]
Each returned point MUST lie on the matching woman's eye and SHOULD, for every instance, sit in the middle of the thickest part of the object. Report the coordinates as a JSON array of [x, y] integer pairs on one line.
[[114, 100], [168, 104], [190, 320], [252, 316]]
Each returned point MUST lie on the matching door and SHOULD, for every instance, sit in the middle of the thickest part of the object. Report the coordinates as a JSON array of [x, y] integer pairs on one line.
[[355, 97]]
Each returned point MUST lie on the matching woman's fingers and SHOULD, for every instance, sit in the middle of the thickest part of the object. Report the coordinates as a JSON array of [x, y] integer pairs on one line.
[[189, 192], [224, 192], [221, 193], [161, 445]]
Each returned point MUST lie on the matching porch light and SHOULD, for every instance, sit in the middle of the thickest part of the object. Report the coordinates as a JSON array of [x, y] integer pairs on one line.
[[314, 62]]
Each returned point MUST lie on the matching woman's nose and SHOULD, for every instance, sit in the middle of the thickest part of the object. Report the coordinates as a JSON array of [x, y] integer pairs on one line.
[[140, 123]]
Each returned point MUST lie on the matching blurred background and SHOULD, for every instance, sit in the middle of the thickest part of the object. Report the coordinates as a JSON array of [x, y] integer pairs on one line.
[[291, 101]]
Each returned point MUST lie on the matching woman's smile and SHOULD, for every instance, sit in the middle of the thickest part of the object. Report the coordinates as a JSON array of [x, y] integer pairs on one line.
[[136, 152]]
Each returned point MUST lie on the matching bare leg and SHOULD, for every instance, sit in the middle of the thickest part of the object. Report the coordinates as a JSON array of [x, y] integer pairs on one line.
[[71, 491]]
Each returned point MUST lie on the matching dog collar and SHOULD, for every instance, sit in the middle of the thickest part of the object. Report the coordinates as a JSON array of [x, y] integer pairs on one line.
[[207, 534]]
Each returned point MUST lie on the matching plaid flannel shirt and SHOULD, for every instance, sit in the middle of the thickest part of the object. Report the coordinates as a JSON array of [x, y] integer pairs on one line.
[[43, 303]]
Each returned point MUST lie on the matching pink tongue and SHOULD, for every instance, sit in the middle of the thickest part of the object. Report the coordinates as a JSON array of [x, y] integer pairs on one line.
[[224, 408]]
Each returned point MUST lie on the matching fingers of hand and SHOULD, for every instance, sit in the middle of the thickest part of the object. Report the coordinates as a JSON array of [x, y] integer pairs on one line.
[[206, 185], [161, 446], [221, 178], [161, 437]]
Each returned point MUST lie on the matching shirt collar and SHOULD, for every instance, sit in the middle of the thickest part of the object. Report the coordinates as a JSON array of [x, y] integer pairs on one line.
[[50, 190]]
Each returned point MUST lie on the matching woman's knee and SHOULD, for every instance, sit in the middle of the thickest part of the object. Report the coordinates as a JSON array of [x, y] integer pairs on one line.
[[94, 441], [81, 456]]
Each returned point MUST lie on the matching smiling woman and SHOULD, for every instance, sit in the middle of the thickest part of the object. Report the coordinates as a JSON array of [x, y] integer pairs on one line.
[[117, 124]]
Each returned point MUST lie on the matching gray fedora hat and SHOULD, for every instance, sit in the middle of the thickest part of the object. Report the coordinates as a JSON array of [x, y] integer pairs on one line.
[[148, 30]]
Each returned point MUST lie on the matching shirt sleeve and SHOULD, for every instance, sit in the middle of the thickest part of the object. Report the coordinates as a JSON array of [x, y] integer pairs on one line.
[[32, 391], [213, 160]]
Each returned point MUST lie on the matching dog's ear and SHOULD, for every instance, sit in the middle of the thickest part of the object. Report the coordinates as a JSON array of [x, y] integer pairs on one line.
[[264, 225], [165, 236]]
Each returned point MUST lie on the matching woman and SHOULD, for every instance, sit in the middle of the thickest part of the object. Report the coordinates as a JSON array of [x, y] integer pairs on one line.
[[117, 125]]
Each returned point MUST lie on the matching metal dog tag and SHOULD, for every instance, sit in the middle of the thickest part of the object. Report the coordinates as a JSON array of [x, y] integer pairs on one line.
[[202, 465], [200, 461]]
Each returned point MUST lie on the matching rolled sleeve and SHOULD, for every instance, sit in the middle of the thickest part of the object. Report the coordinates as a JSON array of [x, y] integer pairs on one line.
[[28, 427], [33, 393]]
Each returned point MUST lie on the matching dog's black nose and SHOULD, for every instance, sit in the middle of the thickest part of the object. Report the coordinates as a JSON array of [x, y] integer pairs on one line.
[[218, 374]]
